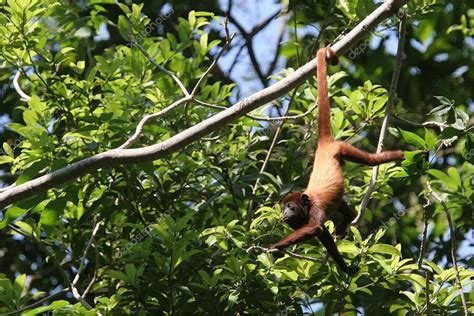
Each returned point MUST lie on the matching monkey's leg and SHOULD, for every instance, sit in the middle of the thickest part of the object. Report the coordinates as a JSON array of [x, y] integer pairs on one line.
[[347, 216], [327, 241], [351, 153]]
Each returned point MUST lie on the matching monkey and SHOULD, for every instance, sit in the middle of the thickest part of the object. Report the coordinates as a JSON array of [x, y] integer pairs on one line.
[[305, 212]]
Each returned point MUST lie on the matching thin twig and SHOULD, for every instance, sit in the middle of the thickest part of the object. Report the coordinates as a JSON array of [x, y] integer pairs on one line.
[[430, 124], [163, 69], [150, 117], [263, 118], [82, 264], [427, 292], [37, 303], [16, 85], [188, 97], [427, 307], [453, 243], [289, 253], [250, 209], [283, 24], [386, 119], [71, 286], [214, 63], [423, 239], [94, 275], [248, 37]]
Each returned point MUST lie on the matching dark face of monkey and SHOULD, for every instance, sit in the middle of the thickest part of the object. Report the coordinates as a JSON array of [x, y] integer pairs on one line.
[[295, 212]]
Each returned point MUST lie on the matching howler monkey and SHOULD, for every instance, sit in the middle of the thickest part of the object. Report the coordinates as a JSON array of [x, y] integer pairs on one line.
[[307, 211]]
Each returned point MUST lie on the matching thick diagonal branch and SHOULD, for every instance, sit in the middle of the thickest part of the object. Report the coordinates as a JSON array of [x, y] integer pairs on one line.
[[138, 155]]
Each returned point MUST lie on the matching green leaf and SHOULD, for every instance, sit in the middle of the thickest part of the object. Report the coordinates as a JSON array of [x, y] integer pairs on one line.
[[440, 110], [203, 13], [455, 177], [347, 247], [444, 101], [30, 117], [411, 296], [203, 41], [384, 248], [233, 297], [206, 277], [123, 27], [430, 139], [31, 171], [118, 275], [8, 150], [19, 285], [450, 182], [11, 214], [265, 260], [356, 233], [6, 159], [413, 139], [50, 215], [56, 305]]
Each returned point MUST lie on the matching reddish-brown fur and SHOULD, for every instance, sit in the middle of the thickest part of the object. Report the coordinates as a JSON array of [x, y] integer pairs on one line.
[[307, 211]]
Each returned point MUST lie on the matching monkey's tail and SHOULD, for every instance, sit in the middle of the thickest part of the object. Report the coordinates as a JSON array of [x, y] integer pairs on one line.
[[324, 122]]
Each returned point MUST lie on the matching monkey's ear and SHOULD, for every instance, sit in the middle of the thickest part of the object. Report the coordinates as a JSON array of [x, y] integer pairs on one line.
[[305, 199]]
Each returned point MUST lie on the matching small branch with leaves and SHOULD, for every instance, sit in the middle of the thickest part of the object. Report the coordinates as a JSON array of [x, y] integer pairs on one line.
[[289, 253], [452, 234], [386, 119]]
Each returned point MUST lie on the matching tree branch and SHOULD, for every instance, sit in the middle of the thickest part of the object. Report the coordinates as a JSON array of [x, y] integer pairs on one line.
[[55, 262], [82, 262], [250, 208], [173, 144], [440, 126], [188, 97], [452, 234], [163, 69], [16, 85], [386, 119], [289, 253], [283, 24], [37, 303]]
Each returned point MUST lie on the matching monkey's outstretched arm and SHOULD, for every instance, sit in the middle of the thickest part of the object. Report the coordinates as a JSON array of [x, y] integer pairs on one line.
[[302, 234], [351, 153]]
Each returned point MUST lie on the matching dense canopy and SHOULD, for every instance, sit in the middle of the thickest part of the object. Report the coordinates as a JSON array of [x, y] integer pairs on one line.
[[146, 146]]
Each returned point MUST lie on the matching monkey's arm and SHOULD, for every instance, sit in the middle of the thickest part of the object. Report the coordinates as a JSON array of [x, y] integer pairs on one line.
[[351, 153], [302, 234]]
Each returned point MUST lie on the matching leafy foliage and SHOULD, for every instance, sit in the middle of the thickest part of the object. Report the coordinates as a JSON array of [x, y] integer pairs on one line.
[[173, 234]]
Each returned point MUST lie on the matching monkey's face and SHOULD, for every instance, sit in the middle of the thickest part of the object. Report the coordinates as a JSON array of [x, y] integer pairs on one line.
[[295, 210]]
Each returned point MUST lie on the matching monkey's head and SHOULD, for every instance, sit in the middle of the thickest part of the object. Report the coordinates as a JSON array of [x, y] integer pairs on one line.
[[295, 209]]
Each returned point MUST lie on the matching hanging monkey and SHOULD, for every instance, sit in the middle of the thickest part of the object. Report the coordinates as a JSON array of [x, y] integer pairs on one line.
[[307, 211]]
